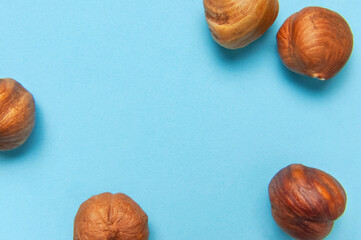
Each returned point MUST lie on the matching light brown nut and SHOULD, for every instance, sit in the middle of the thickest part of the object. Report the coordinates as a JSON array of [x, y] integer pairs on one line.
[[17, 114], [110, 217], [237, 23]]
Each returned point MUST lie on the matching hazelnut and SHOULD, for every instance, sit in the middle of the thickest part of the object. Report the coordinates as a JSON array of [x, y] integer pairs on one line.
[[306, 201], [237, 23], [110, 217], [316, 42], [17, 114]]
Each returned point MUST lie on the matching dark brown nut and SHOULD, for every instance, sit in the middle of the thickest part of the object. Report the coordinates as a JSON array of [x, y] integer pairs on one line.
[[17, 114], [306, 201], [110, 217], [237, 23], [316, 42]]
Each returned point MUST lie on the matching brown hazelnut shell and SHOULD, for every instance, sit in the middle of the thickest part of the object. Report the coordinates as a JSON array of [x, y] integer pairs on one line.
[[110, 217], [17, 114], [306, 201], [236, 23], [316, 42]]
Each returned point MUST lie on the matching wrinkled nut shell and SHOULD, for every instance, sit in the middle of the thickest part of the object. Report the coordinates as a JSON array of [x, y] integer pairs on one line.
[[316, 42], [110, 217], [17, 114], [237, 23], [306, 201]]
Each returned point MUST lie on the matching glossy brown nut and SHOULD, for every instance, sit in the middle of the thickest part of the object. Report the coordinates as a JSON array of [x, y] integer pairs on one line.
[[17, 114], [306, 201], [110, 217], [237, 23], [316, 42]]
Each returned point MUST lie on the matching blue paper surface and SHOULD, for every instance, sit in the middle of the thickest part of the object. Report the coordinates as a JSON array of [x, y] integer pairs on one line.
[[136, 97]]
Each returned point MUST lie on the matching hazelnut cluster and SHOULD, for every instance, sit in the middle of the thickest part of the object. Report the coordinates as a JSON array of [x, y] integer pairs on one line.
[[305, 201], [315, 41]]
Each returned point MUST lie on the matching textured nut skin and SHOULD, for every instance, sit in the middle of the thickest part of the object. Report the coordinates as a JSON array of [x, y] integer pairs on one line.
[[17, 114], [110, 217], [237, 23], [306, 201], [316, 42]]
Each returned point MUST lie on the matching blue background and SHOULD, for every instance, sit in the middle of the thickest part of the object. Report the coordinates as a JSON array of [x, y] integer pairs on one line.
[[135, 97]]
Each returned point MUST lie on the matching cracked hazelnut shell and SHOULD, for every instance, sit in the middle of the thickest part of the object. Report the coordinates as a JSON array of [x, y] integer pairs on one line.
[[236, 23], [316, 42], [17, 114], [110, 217], [306, 201]]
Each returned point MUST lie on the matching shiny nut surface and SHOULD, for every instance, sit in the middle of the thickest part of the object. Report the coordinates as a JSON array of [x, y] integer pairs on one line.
[[306, 201], [237, 23], [17, 114], [110, 217], [316, 42]]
